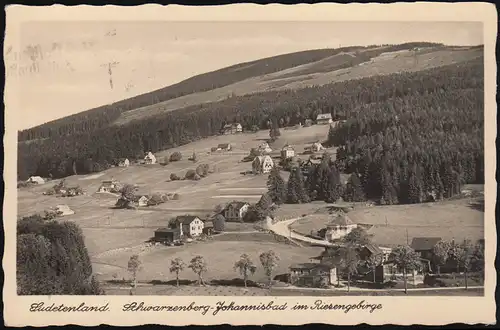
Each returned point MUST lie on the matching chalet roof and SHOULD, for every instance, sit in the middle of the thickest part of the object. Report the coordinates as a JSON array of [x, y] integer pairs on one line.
[[424, 243], [108, 183], [208, 224], [262, 158], [137, 198], [186, 219], [341, 220], [223, 145], [236, 124], [228, 126], [324, 116], [237, 205], [287, 147], [307, 265]]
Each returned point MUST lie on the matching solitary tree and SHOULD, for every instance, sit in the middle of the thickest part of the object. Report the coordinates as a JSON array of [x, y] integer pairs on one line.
[[199, 266], [176, 266], [269, 261], [349, 262], [134, 267], [405, 258], [357, 236], [441, 253], [245, 266]]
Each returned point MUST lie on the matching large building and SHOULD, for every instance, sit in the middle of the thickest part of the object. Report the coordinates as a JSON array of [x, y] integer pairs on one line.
[[189, 225]]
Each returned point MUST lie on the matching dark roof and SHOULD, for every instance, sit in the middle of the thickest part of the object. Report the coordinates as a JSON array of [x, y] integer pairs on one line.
[[208, 224], [228, 126], [223, 145], [307, 265], [340, 220], [186, 219], [237, 205], [375, 250], [424, 243]]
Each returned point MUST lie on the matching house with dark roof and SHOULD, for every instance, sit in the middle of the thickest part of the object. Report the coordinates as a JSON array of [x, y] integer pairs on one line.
[[313, 274], [167, 235], [235, 211], [232, 128], [424, 246], [223, 147], [109, 186], [189, 225]]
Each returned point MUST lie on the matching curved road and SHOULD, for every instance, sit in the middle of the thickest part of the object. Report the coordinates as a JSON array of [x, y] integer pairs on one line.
[[282, 228]]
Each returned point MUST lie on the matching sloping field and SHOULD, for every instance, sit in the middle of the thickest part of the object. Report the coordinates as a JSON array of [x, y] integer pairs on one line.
[[220, 257], [328, 70], [448, 220]]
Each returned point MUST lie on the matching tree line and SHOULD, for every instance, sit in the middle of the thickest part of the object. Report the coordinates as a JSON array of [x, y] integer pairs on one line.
[[52, 258], [92, 152]]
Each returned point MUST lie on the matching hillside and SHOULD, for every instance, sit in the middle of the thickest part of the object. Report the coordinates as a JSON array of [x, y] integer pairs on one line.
[[288, 88]]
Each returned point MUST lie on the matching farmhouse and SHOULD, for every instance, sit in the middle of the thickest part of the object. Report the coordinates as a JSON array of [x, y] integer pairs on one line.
[[150, 158], [265, 148], [189, 225], [313, 274], [167, 235], [224, 147], [340, 226], [36, 180], [287, 152], [235, 211], [124, 163], [141, 200], [316, 147], [324, 119], [262, 164], [109, 186], [232, 128], [63, 210]]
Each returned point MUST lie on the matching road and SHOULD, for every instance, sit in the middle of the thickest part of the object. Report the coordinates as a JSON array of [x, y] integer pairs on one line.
[[282, 228]]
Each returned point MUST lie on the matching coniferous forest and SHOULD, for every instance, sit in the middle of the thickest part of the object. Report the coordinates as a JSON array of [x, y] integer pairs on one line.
[[406, 134]]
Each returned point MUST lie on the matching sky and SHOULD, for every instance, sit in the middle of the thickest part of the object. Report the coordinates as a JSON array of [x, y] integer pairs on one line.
[[62, 67]]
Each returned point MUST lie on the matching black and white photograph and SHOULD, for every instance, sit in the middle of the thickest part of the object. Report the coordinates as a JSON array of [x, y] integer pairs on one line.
[[249, 158]]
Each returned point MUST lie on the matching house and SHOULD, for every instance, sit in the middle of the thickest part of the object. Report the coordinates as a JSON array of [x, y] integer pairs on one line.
[[265, 148], [150, 158], [224, 147], [235, 211], [208, 228], [141, 200], [36, 180], [262, 164], [189, 225], [313, 274], [316, 147], [109, 186], [232, 128], [167, 235], [124, 163], [339, 227], [424, 246], [287, 152], [324, 119], [64, 210]]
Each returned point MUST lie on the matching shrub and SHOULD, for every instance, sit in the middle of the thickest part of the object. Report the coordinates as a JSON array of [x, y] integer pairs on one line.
[[176, 156], [190, 174], [202, 170], [174, 177], [175, 197]]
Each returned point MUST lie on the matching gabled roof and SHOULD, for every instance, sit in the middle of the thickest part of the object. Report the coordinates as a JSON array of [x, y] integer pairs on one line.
[[149, 155], [424, 243], [375, 250], [228, 126], [308, 265], [324, 116], [341, 220], [186, 219], [137, 198], [287, 147], [237, 205], [236, 124], [223, 145], [167, 230]]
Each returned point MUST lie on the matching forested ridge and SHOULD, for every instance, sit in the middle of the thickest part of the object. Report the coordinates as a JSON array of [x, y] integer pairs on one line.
[[101, 117]]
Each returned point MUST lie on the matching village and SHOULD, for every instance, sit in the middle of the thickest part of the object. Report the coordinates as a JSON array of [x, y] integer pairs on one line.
[[190, 218]]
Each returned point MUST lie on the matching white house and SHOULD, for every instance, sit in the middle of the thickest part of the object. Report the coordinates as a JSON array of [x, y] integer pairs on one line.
[[340, 226], [264, 147], [124, 163], [324, 119], [141, 200], [189, 225], [262, 164], [64, 210], [36, 180], [224, 147], [287, 152], [235, 211], [316, 146], [237, 128], [232, 128], [150, 158]]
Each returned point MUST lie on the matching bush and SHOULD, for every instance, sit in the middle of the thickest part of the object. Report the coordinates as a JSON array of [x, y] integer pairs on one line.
[[176, 156], [202, 170], [174, 177], [175, 197], [190, 174]]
